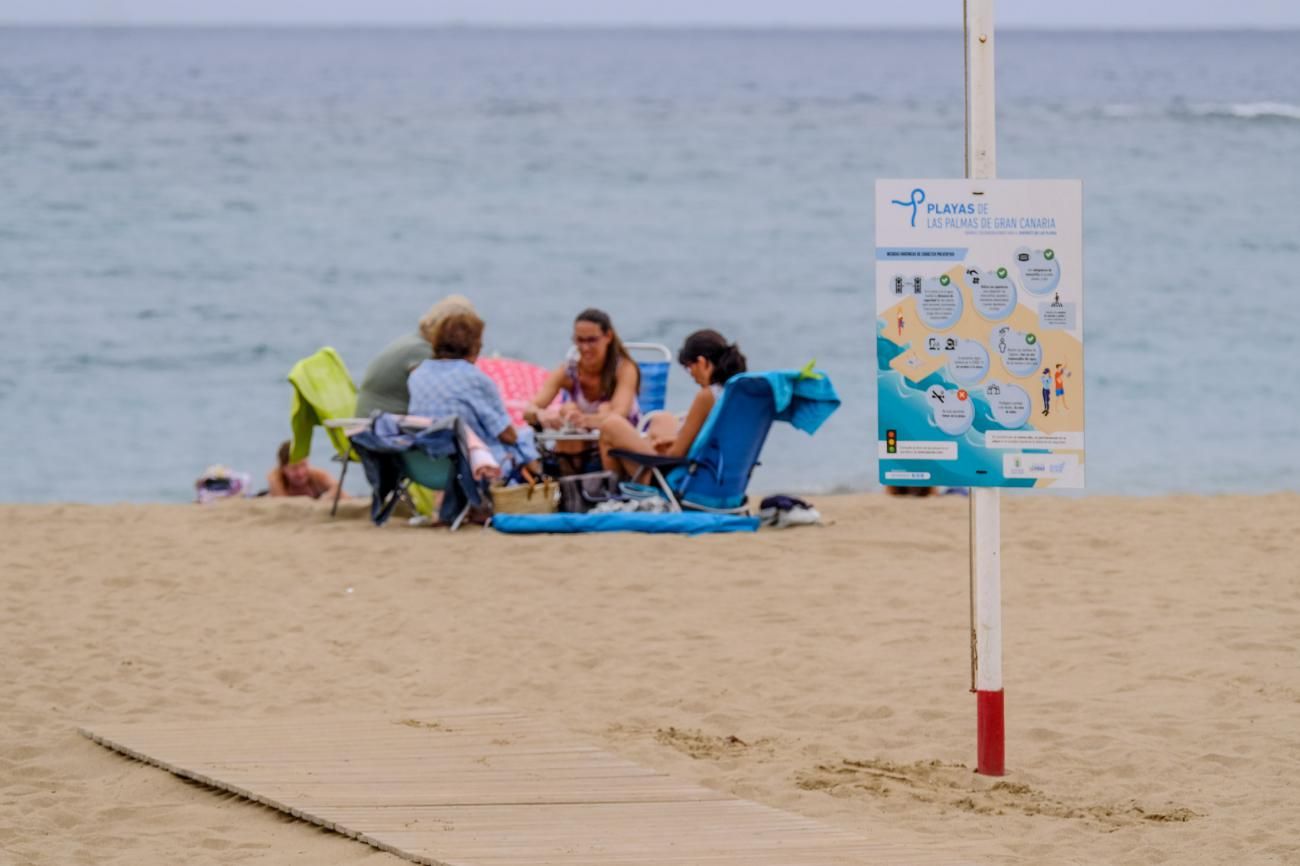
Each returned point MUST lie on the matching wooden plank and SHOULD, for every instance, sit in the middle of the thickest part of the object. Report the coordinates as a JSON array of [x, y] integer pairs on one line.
[[488, 788]]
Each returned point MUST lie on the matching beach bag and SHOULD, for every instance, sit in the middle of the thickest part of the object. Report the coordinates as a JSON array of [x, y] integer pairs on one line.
[[581, 493], [535, 497], [220, 482]]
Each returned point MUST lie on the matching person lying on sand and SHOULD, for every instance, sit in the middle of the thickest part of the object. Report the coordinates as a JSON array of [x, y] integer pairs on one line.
[[299, 479], [711, 361]]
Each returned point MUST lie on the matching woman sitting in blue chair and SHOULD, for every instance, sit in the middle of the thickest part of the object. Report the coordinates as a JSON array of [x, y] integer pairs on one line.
[[711, 361]]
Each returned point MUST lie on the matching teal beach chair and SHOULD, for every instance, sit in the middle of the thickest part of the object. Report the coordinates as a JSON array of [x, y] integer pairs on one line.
[[401, 457], [432, 473]]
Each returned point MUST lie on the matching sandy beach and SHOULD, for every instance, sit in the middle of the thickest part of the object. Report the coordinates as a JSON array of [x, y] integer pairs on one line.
[[1153, 685]]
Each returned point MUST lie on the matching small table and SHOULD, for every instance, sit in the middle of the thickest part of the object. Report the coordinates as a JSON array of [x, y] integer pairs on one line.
[[552, 436], [354, 425]]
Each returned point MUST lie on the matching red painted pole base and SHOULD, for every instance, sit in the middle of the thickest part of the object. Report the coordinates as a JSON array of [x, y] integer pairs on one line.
[[991, 739]]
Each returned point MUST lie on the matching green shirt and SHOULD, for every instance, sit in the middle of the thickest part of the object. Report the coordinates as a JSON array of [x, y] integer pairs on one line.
[[384, 385]]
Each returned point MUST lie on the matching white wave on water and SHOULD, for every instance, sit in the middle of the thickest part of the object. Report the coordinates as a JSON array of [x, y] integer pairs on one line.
[[1250, 110], [1263, 110]]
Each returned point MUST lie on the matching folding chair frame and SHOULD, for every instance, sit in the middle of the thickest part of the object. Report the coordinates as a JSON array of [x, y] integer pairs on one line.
[[410, 503], [677, 502]]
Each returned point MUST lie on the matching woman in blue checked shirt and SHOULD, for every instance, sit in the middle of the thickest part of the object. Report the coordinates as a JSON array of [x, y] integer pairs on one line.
[[449, 384]]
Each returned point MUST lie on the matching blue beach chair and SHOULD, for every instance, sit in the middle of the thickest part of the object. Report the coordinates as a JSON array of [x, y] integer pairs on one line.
[[714, 475], [654, 374]]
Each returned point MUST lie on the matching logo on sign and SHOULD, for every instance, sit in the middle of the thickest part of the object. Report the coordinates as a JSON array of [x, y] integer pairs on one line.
[[917, 199]]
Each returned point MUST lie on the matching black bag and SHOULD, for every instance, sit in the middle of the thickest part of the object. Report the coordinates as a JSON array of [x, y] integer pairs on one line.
[[580, 493]]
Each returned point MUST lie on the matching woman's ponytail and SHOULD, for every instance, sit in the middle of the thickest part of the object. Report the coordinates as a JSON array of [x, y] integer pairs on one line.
[[725, 357], [729, 363]]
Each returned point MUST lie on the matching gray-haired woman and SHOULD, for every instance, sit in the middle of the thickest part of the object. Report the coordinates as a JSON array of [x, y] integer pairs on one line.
[[383, 387]]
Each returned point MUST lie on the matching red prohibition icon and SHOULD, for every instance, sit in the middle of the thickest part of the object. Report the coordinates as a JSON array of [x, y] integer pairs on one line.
[[961, 394]]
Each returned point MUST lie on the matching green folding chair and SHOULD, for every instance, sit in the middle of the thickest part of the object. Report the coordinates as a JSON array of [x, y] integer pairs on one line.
[[322, 391]]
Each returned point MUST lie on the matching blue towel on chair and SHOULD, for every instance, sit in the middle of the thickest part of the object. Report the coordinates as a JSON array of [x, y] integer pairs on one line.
[[689, 523], [805, 401]]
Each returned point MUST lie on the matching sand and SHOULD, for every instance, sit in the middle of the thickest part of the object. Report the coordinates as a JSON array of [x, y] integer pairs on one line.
[[1153, 684]]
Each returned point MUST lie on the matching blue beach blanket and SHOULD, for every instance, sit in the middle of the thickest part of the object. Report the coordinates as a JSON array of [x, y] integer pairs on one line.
[[690, 523]]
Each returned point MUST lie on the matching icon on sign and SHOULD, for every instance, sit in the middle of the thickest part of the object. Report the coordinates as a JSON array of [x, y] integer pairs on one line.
[[961, 394], [1002, 273], [1030, 339], [937, 394], [945, 280], [1049, 255], [917, 198], [898, 285], [973, 277], [1022, 257], [993, 390], [916, 285]]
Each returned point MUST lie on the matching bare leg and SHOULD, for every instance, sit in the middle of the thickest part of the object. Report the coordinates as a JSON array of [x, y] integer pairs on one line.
[[663, 427], [616, 432]]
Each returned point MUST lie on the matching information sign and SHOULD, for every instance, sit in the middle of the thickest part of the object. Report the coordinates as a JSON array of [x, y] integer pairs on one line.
[[979, 332]]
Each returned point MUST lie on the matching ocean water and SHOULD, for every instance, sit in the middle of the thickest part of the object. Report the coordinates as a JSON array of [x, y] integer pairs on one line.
[[187, 212]]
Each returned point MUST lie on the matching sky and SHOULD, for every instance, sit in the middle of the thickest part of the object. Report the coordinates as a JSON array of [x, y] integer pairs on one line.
[[1143, 14]]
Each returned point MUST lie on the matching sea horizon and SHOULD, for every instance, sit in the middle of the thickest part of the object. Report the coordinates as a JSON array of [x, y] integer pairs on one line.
[[632, 27]]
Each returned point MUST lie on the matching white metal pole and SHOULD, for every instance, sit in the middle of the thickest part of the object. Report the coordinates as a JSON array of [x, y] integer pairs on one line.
[[985, 502]]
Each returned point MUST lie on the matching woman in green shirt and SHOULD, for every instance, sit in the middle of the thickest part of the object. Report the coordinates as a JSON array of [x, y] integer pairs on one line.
[[383, 387]]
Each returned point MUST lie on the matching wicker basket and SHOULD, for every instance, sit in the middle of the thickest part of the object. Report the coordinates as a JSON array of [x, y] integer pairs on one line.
[[540, 497]]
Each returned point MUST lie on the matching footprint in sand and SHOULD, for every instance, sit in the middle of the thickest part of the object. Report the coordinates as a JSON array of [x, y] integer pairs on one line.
[[955, 786], [698, 744]]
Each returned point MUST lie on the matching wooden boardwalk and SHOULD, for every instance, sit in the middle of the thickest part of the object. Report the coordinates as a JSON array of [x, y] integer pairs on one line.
[[487, 788]]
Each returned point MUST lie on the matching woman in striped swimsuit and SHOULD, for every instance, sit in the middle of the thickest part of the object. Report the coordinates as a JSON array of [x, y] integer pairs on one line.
[[601, 382]]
